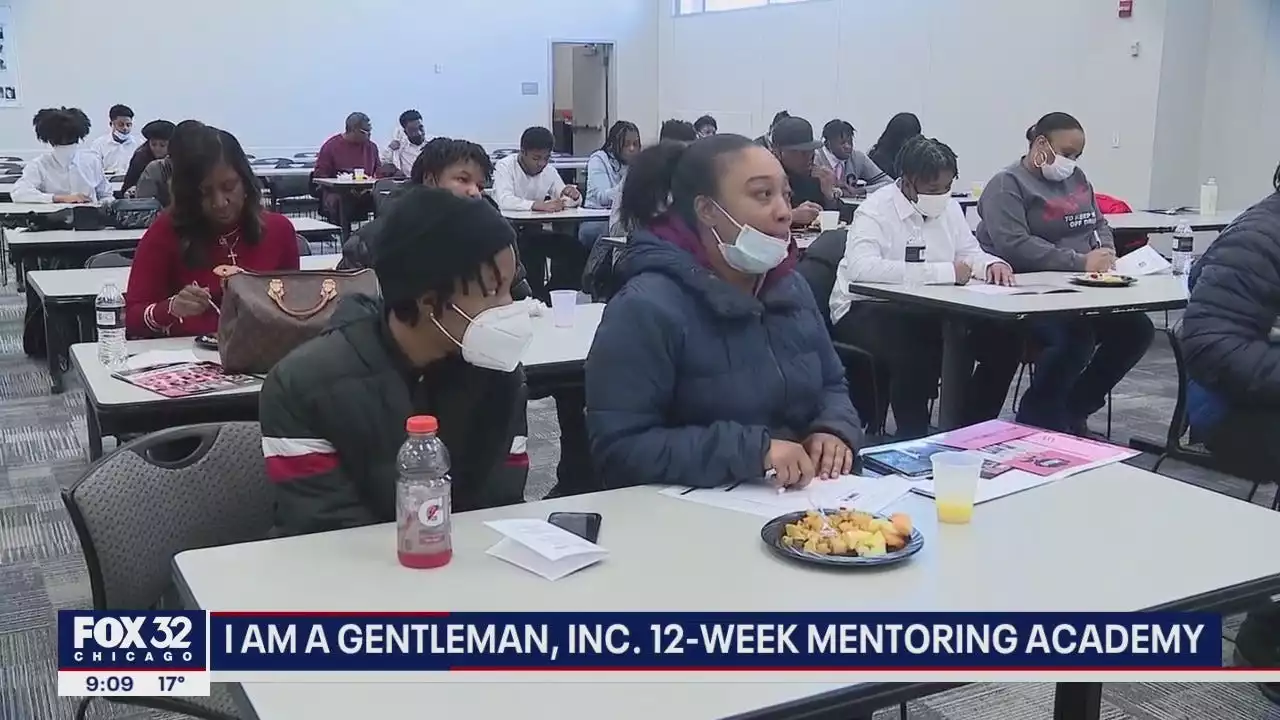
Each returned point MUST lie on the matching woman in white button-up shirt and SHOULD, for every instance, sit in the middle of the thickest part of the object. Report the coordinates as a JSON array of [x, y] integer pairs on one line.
[[918, 211], [68, 173]]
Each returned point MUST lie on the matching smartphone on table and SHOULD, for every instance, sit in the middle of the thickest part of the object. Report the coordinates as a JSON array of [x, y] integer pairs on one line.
[[584, 525]]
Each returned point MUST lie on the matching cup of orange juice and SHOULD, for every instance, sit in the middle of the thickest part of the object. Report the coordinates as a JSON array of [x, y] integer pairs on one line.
[[955, 484]]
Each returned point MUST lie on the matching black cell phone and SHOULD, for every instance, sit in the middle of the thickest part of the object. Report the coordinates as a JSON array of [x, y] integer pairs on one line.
[[584, 525]]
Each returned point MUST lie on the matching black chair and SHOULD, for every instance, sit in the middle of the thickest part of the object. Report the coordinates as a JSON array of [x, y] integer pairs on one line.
[[306, 156], [291, 192], [864, 374], [383, 191], [270, 162], [110, 258], [304, 247], [1180, 425], [175, 490]]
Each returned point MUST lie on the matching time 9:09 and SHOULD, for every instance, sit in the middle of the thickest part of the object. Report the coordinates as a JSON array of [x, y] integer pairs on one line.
[[108, 684]]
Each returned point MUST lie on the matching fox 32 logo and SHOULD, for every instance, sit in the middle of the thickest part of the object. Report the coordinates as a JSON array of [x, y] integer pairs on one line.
[[124, 640]]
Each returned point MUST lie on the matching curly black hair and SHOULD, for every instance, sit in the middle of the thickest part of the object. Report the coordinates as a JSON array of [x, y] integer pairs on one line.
[[61, 126], [440, 153], [193, 153], [926, 158], [678, 130], [1275, 180], [617, 137]]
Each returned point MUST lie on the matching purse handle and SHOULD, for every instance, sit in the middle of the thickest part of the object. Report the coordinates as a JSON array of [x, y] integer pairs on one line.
[[328, 291]]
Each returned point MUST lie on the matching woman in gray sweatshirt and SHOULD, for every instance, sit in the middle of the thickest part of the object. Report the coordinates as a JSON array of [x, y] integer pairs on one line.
[[1040, 214]]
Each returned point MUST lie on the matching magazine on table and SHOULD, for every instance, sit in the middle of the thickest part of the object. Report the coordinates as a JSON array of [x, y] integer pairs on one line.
[[185, 379], [1017, 457]]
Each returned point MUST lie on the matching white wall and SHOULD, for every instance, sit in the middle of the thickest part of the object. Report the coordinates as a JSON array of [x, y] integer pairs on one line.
[[283, 74], [977, 72], [1239, 143]]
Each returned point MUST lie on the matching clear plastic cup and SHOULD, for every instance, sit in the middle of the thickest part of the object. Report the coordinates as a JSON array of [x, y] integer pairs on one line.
[[829, 220], [564, 304], [975, 190], [358, 174], [955, 484]]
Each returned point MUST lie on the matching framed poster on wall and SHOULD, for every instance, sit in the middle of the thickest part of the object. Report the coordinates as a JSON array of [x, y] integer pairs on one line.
[[10, 94]]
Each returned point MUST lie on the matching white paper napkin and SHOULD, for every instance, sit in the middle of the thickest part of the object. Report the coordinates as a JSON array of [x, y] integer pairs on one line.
[[542, 548], [1143, 261]]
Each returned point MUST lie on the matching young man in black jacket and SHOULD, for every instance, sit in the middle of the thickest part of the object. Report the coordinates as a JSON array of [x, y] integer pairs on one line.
[[445, 340], [1231, 338]]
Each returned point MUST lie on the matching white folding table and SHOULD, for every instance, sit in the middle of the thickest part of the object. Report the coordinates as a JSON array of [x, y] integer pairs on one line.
[[1052, 548], [957, 304], [115, 407]]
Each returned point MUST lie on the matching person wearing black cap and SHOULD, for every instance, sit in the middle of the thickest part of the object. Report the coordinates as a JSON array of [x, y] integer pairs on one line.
[[445, 339], [157, 134], [812, 190], [764, 140]]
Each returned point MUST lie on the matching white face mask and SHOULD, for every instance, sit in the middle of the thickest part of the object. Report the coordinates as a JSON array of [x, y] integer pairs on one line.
[[120, 136], [496, 338], [1060, 169], [753, 252], [932, 206], [64, 153]]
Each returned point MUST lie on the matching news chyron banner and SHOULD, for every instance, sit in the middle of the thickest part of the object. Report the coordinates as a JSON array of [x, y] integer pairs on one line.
[[174, 653]]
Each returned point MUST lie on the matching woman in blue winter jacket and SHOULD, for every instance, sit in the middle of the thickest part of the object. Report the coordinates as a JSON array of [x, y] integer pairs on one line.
[[713, 364]]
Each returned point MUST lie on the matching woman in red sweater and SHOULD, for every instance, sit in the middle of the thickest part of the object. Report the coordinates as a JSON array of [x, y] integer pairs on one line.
[[215, 221]]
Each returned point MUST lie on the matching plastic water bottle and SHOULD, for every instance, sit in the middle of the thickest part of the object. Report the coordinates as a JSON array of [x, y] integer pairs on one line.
[[913, 272], [1183, 249], [424, 521], [1209, 197], [109, 313]]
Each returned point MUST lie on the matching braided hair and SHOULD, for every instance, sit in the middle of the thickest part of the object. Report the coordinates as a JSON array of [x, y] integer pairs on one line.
[[618, 137], [923, 158]]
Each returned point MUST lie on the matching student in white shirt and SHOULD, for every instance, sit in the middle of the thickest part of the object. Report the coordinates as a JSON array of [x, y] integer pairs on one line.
[[918, 210], [116, 148], [68, 173], [527, 181], [405, 146]]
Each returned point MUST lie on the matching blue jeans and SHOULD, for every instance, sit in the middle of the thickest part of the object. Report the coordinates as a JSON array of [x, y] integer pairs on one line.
[[1082, 359], [590, 232]]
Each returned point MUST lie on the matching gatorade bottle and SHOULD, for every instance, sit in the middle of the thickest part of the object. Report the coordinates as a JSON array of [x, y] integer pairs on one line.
[[423, 512]]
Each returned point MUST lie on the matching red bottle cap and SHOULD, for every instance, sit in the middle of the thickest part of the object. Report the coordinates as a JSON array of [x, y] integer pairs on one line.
[[419, 424]]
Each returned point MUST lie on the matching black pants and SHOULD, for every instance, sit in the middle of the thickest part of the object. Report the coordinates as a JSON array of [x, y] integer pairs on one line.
[[1246, 441], [566, 255], [1081, 360], [909, 343]]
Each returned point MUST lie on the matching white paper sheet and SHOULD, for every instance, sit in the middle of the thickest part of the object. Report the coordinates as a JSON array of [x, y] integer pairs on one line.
[[1143, 261], [542, 548], [1095, 454], [155, 358], [758, 498], [987, 289]]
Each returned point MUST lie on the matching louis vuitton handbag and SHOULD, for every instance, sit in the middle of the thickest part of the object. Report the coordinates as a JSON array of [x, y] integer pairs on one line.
[[264, 316]]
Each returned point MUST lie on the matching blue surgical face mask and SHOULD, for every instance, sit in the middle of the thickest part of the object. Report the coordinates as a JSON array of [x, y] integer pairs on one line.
[[753, 252], [120, 136]]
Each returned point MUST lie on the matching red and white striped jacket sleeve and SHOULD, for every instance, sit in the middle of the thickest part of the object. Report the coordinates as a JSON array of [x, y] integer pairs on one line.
[[313, 493]]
